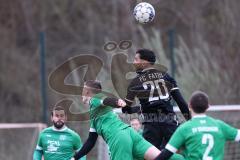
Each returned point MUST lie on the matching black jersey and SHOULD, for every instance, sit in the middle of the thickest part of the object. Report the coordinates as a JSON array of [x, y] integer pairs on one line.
[[152, 86]]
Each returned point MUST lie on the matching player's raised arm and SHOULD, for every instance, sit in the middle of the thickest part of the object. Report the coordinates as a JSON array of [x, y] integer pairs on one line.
[[177, 96], [182, 104], [87, 146], [113, 102]]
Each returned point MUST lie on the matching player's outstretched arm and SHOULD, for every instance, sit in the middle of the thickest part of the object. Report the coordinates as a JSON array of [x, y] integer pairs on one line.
[[177, 96], [37, 155], [87, 146], [119, 103], [114, 102]]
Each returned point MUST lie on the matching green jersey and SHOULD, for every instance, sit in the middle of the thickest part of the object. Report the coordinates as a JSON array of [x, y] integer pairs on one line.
[[140, 131], [57, 144], [202, 138], [103, 120]]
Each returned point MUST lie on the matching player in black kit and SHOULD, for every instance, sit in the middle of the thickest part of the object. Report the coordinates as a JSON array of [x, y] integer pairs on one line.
[[154, 89]]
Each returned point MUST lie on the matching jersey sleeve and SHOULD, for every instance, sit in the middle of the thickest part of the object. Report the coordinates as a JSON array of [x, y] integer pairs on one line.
[[170, 82], [77, 141], [131, 93], [229, 132], [39, 142], [77, 144], [95, 102], [92, 128], [37, 154], [177, 140]]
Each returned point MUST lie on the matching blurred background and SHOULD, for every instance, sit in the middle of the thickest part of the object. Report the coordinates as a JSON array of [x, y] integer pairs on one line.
[[198, 41]]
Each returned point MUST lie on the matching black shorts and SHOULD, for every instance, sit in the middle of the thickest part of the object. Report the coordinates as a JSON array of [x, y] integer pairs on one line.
[[159, 134]]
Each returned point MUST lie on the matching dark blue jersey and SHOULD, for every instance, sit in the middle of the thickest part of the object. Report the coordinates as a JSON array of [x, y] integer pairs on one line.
[[151, 86]]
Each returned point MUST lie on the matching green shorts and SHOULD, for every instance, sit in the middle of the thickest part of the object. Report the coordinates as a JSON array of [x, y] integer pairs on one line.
[[176, 156], [127, 144]]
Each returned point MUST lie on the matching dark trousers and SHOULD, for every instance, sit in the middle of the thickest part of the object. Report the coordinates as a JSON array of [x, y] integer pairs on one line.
[[159, 134]]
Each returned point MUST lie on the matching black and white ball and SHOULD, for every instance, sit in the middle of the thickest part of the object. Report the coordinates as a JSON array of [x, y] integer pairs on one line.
[[144, 12]]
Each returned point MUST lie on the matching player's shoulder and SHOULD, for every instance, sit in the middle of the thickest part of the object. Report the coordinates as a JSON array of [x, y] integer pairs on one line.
[[168, 77], [135, 80], [72, 132], [211, 120], [46, 130], [214, 120], [98, 96], [188, 125], [219, 122]]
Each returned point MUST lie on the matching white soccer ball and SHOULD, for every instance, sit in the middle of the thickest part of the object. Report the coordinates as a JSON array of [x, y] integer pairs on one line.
[[144, 12]]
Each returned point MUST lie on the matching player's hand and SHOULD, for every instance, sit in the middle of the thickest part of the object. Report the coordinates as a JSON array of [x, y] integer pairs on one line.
[[121, 103]]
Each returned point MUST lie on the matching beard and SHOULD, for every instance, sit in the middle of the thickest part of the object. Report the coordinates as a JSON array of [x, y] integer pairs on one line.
[[58, 124]]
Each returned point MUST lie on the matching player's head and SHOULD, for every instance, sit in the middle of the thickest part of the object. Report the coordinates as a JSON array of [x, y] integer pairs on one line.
[[136, 124], [199, 102], [144, 58], [91, 87], [58, 117]]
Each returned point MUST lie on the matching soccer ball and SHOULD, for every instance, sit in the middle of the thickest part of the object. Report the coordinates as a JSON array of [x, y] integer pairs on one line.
[[144, 12]]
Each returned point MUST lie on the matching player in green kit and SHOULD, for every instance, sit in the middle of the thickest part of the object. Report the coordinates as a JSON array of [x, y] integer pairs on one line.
[[57, 142], [203, 137], [123, 141]]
